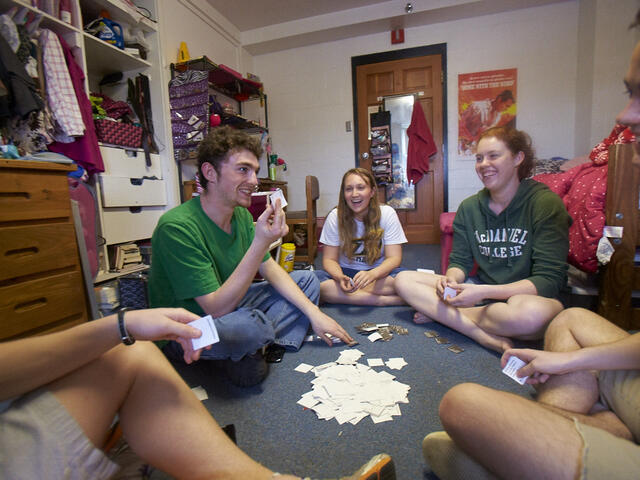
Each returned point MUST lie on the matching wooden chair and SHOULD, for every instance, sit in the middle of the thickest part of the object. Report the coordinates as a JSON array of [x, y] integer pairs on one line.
[[307, 217]]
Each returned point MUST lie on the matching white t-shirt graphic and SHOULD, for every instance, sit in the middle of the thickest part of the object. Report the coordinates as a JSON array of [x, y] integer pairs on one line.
[[393, 235]]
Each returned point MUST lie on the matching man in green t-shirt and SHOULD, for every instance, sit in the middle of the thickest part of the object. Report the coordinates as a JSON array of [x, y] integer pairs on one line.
[[206, 253]]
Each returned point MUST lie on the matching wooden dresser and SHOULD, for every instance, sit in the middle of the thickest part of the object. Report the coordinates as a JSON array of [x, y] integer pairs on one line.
[[41, 285]]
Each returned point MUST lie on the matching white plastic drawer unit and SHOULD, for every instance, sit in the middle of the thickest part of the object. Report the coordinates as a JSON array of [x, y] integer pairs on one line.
[[120, 162], [121, 225], [132, 192]]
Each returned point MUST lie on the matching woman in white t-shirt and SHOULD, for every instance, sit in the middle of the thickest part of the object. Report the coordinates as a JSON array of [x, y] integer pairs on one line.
[[362, 246]]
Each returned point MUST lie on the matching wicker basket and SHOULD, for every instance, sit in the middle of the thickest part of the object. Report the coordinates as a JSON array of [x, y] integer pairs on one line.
[[117, 133]]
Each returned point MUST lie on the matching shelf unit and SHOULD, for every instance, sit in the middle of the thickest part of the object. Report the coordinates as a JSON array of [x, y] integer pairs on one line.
[[227, 86], [97, 58]]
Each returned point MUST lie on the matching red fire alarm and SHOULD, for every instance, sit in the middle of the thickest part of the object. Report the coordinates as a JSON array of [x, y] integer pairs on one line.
[[397, 35]]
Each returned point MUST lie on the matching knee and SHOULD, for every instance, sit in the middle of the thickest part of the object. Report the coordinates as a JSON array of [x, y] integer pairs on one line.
[[458, 403], [131, 358], [401, 281], [308, 282], [565, 321], [534, 312]]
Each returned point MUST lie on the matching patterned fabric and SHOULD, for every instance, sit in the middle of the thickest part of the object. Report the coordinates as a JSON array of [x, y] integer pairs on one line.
[[600, 153], [60, 93], [9, 32], [548, 165], [584, 190], [85, 149]]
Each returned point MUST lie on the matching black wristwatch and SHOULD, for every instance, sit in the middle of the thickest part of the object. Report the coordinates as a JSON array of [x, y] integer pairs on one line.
[[125, 336]]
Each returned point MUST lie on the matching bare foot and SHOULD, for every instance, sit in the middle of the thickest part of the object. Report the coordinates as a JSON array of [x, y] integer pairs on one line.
[[420, 317]]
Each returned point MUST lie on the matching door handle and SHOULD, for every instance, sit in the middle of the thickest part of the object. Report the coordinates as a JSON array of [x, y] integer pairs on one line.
[[364, 155]]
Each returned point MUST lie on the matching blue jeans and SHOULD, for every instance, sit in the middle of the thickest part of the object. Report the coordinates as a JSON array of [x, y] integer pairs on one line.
[[351, 272], [261, 318]]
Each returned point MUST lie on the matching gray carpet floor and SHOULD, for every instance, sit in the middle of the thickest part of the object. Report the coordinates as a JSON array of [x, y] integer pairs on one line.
[[273, 429]]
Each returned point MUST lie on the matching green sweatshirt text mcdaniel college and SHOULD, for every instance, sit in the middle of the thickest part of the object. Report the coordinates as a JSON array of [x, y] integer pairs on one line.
[[528, 240]]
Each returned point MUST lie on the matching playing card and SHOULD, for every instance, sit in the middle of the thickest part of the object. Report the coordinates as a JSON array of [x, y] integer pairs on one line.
[[278, 194], [398, 329], [385, 334], [441, 340], [449, 293], [431, 334], [513, 365], [455, 349], [209, 332]]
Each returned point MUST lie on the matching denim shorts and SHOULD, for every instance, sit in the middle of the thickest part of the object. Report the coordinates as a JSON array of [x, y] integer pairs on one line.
[[351, 272]]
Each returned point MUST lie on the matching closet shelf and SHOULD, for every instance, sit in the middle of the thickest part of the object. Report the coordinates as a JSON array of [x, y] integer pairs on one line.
[[224, 79], [242, 123], [103, 58], [48, 21], [120, 13]]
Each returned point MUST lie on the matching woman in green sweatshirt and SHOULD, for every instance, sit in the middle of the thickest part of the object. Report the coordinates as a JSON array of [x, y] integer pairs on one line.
[[517, 231]]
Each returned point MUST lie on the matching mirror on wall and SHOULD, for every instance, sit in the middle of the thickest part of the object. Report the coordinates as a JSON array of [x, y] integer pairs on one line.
[[400, 194]]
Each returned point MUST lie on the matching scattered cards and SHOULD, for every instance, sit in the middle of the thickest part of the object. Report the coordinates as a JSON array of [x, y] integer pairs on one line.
[[455, 349], [303, 368], [513, 365], [441, 340], [348, 391], [209, 332]]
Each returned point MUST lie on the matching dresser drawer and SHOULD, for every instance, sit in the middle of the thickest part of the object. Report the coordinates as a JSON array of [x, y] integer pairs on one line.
[[29, 249], [120, 225], [33, 194], [28, 308], [132, 192], [119, 162]]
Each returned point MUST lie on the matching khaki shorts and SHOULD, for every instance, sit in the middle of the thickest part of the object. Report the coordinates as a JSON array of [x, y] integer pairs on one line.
[[605, 455], [40, 439]]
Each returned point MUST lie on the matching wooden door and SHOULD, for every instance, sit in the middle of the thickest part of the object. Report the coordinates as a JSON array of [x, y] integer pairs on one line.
[[422, 75]]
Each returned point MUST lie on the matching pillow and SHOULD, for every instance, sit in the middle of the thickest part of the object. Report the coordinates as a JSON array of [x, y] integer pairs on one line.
[[574, 162], [548, 165]]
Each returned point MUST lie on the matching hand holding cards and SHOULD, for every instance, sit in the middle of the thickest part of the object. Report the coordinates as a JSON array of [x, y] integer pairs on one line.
[[513, 365], [209, 332], [449, 293], [277, 194]]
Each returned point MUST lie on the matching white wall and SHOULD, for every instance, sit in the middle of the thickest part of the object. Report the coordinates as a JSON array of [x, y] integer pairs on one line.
[[310, 91], [614, 43], [206, 33], [570, 57]]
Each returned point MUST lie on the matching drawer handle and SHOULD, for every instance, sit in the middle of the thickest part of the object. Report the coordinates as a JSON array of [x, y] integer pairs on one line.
[[136, 181], [25, 195], [22, 252], [30, 305], [135, 209]]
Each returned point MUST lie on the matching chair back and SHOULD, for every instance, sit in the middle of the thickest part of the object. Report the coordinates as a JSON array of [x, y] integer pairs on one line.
[[312, 190]]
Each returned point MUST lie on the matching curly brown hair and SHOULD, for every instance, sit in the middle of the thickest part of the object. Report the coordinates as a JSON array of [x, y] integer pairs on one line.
[[516, 141], [346, 220], [220, 144]]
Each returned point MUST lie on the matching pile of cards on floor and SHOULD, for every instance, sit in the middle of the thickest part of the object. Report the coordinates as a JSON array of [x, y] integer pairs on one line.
[[350, 391]]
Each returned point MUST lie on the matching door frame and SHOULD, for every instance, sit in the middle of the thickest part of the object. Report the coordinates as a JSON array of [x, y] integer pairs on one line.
[[436, 49]]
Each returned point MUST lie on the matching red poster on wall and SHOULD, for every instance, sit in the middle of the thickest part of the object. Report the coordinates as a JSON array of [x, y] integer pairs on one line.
[[485, 100]]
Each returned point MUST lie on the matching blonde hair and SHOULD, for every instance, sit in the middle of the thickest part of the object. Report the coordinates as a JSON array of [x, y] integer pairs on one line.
[[372, 237]]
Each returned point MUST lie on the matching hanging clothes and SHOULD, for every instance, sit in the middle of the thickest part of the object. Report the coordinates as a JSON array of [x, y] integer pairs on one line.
[[60, 93], [421, 145], [84, 150], [21, 91]]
